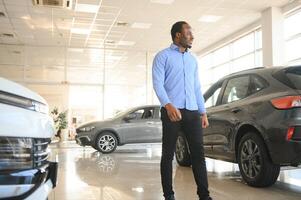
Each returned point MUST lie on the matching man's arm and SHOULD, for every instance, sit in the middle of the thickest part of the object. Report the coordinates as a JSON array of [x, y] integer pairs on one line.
[[158, 84], [158, 73]]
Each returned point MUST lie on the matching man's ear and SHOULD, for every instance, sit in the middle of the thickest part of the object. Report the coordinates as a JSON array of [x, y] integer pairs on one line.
[[178, 35]]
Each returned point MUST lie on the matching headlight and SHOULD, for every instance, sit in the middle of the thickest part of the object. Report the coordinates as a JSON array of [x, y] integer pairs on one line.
[[39, 107], [86, 129], [22, 153], [22, 102]]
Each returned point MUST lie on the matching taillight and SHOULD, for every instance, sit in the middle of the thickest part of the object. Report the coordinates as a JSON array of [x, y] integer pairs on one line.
[[287, 102], [290, 133]]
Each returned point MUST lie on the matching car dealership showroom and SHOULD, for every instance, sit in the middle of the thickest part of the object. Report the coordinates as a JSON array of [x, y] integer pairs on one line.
[[150, 99]]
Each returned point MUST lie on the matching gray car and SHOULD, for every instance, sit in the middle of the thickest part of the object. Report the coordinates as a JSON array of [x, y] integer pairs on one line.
[[136, 125]]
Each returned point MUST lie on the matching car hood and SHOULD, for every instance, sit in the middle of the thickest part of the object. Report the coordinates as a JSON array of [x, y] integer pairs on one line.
[[17, 89]]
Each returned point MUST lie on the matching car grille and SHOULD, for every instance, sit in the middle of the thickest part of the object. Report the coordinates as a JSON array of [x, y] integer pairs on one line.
[[23, 153], [41, 152]]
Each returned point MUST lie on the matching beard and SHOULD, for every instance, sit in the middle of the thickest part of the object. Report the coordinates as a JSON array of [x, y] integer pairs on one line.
[[184, 43]]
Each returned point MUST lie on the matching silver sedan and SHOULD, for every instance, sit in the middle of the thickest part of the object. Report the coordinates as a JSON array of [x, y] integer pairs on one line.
[[136, 125]]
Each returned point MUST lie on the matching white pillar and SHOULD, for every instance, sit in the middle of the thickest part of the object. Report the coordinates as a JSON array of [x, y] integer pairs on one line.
[[272, 37]]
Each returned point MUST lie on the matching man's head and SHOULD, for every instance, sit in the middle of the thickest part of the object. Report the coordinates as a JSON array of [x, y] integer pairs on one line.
[[181, 34]]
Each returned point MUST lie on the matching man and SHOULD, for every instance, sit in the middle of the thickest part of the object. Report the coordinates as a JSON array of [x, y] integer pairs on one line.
[[176, 83]]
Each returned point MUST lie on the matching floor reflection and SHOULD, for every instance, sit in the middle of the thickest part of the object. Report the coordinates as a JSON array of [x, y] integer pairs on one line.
[[132, 172]]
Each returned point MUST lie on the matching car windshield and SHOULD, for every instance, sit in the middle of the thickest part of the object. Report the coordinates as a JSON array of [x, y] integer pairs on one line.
[[121, 113]]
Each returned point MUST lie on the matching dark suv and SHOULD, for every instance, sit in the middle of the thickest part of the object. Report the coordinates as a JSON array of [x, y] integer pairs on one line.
[[255, 121]]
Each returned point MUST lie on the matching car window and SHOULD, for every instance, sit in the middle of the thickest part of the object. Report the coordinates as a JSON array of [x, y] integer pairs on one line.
[[290, 76], [257, 84], [236, 89], [144, 113], [212, 100]]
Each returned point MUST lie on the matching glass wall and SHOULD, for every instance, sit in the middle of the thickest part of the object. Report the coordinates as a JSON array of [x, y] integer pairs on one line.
[[91, 83], [292, 32], [243, 53]]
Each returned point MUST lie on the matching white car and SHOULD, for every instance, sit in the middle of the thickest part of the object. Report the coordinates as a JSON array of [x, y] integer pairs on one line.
[[26, 130]]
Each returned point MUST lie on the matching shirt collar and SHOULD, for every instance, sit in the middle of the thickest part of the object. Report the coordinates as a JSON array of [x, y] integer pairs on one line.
[[176, 47]]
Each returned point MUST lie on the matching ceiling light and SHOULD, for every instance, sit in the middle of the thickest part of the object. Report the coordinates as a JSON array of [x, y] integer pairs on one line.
[[86, 8], [80, 31], [126, 43], [209, 18], [122, 24], [110, 42], [162, 1], [26, 17], [141, 25], [77, 50]]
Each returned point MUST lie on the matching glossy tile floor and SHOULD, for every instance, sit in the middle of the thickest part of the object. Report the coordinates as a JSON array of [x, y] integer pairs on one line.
[[132, 173]]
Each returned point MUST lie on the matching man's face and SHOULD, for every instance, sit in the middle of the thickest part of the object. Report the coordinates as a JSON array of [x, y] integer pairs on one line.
[[186, 36]]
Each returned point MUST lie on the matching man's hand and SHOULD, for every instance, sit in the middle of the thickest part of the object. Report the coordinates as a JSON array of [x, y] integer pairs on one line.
[[173, 113], [205, 122]]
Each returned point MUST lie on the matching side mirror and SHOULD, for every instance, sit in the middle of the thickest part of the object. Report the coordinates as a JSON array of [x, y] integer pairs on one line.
[[130, 117]]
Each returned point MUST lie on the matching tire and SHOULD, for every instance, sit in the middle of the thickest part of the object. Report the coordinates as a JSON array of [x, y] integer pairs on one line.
[[255, 165], [106, 142], [182, 152]]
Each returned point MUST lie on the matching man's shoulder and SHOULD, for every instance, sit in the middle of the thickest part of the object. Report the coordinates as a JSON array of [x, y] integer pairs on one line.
[[163, 53]]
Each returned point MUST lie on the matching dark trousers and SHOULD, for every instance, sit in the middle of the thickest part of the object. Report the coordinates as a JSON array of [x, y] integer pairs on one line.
[[190, 125]]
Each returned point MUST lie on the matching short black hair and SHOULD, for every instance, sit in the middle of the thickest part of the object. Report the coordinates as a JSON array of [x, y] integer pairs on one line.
[[176, 28]]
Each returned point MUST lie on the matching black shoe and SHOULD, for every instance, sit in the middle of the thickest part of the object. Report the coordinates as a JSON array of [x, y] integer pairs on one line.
[[208, 198], [171, 197]]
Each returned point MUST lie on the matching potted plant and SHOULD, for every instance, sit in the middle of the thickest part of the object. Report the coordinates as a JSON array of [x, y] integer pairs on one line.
[[60, 121]]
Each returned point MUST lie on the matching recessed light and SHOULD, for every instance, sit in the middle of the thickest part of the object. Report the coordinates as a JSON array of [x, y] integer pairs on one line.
[[110, 42], [26, 17], [141, 25], [77, 50], [126, 43], [86, 8], [122, 24], [80, 31], [209, 18], [162, 1]]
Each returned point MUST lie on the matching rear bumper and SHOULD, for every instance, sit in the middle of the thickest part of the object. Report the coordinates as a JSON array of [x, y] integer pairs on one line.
[[282, 151], [28, 184]]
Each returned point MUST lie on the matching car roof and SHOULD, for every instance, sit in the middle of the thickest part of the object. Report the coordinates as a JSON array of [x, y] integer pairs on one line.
[[145, 106], [257, 70]]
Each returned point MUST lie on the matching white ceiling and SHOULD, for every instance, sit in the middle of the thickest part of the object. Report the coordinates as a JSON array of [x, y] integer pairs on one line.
[[35, 25]]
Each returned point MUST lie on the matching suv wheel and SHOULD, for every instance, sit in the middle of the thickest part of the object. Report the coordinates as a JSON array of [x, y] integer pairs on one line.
[[106, 142], [182, 152], [254, 163]]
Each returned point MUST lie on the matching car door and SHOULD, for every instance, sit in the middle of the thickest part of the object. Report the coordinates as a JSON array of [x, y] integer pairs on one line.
[[228, 114], [212, 98], [158, 125], [139, 129]]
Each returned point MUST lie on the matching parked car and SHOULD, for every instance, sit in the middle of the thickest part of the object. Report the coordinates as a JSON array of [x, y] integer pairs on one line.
[[26, 130], [255, 121], [136, 125]]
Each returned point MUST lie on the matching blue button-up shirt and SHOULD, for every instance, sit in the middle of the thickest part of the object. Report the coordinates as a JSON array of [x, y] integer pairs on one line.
[[176, 79]]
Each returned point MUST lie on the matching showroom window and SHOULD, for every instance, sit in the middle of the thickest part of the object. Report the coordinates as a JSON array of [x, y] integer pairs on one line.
[[292, 34], [91, 83], [243, 53]]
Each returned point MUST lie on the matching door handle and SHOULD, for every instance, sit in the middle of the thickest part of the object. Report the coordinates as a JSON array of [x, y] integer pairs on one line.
[[150, 122], [236, 110]]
